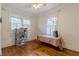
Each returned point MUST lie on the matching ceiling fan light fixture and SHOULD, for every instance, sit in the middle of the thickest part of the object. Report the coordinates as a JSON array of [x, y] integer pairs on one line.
[[38, 5]]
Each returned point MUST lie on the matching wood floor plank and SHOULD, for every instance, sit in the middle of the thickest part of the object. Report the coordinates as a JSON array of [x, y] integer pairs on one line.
[[36, 48]]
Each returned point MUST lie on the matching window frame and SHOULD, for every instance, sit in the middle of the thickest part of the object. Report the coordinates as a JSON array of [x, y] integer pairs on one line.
[[50, 29], [22, 25]]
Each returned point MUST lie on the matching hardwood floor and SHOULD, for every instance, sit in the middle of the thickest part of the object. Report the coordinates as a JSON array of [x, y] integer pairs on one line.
[[36, 48]]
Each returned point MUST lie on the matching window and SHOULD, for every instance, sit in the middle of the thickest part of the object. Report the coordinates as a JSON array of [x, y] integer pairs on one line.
[[18, 23], [51, 26], [26, 23], [15, 23]]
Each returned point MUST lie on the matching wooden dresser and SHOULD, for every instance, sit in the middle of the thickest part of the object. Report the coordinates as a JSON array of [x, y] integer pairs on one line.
[[55, 41]]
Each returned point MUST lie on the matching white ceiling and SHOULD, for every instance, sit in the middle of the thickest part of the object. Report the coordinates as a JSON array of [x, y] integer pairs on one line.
[[26, 7]]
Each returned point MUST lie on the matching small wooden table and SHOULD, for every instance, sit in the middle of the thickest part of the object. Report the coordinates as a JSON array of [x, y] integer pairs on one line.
[[55, 41]]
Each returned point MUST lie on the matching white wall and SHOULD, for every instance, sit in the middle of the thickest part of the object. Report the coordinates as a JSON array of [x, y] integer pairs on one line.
[[6, 14], [0, 30], [67, 24]]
